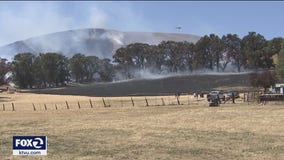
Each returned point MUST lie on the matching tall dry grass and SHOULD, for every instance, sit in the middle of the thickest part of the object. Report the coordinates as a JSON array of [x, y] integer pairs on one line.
[[188, 131]]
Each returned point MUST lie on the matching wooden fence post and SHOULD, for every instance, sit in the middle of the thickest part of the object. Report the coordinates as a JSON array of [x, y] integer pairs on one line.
[[108, 103], [34, 107], [178, 100], [188, 101], [79, 105], [104, 102], [67, 105], [45, 107], [55, 107], [248, 99], [132, 102], [163, 102], [147, 104], [91, 103], [13, 107]]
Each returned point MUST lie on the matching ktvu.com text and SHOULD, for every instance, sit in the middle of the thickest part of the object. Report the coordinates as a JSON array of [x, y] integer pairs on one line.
[[29, 145]]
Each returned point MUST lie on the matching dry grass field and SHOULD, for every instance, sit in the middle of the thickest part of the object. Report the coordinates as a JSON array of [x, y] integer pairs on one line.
[[189, 131]]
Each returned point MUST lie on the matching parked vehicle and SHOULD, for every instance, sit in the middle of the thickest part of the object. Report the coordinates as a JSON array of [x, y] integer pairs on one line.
[[215, 95], [233, 93]]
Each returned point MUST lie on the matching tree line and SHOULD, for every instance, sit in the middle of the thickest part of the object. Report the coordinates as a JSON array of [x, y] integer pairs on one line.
[[54, 69], [211, 52]]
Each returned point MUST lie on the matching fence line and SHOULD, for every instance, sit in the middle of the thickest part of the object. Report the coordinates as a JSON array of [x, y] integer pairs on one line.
[[104, 102], [251, 97]]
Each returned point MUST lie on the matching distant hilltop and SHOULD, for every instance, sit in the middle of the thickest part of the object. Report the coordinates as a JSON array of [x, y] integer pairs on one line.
[[99, 42]]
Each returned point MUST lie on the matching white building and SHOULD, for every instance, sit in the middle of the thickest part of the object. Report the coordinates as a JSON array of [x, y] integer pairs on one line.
[[278, 88]]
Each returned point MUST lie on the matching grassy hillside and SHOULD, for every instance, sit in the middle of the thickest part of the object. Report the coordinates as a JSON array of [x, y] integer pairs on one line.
[[171, 85]]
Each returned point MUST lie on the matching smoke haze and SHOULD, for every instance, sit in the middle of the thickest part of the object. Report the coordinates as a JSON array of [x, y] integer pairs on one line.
[[22, 20], [98, 42]]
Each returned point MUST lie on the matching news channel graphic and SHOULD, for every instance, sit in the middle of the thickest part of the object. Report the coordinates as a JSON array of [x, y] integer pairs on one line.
[[30, 145]]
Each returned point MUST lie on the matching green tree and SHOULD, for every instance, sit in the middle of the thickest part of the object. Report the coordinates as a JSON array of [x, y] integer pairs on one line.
[[154, 59], [232, 50], [106, 70], [203, 57], [132, 57], [189, 55], [209, 51], [63, 73], [275, 45], [272, 48], [183, 56], [171, 55], [255, 53], [138, 53], [51, 69], [5, 67], [263, 79], [38, 73], [23, 70], [78, 67], [124, 60], [280, 65], [91, 67], [267, 79], [217, 49]]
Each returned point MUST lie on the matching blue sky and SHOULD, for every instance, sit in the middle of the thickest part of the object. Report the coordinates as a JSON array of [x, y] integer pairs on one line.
[[22, 20]]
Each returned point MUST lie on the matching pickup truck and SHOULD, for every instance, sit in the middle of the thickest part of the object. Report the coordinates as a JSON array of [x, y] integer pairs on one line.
[[214, 95]]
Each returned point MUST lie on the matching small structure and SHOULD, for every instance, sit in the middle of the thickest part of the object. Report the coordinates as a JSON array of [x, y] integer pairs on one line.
[[278, 88]]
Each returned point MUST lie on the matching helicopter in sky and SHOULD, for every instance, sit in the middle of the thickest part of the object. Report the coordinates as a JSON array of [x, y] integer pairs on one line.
[[178, 27]]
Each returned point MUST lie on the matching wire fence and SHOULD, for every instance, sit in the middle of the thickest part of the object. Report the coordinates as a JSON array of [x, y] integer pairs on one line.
[[103, 102]]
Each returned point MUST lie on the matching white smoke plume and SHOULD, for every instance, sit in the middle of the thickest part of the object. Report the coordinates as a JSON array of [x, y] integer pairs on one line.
[[23, 20]]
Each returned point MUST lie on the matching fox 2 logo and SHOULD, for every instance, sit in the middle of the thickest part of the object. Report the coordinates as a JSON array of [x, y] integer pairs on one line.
[[29, 142]]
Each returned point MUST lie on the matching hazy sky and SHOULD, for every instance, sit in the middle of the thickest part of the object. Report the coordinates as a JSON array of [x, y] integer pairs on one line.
[[22, 20]]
